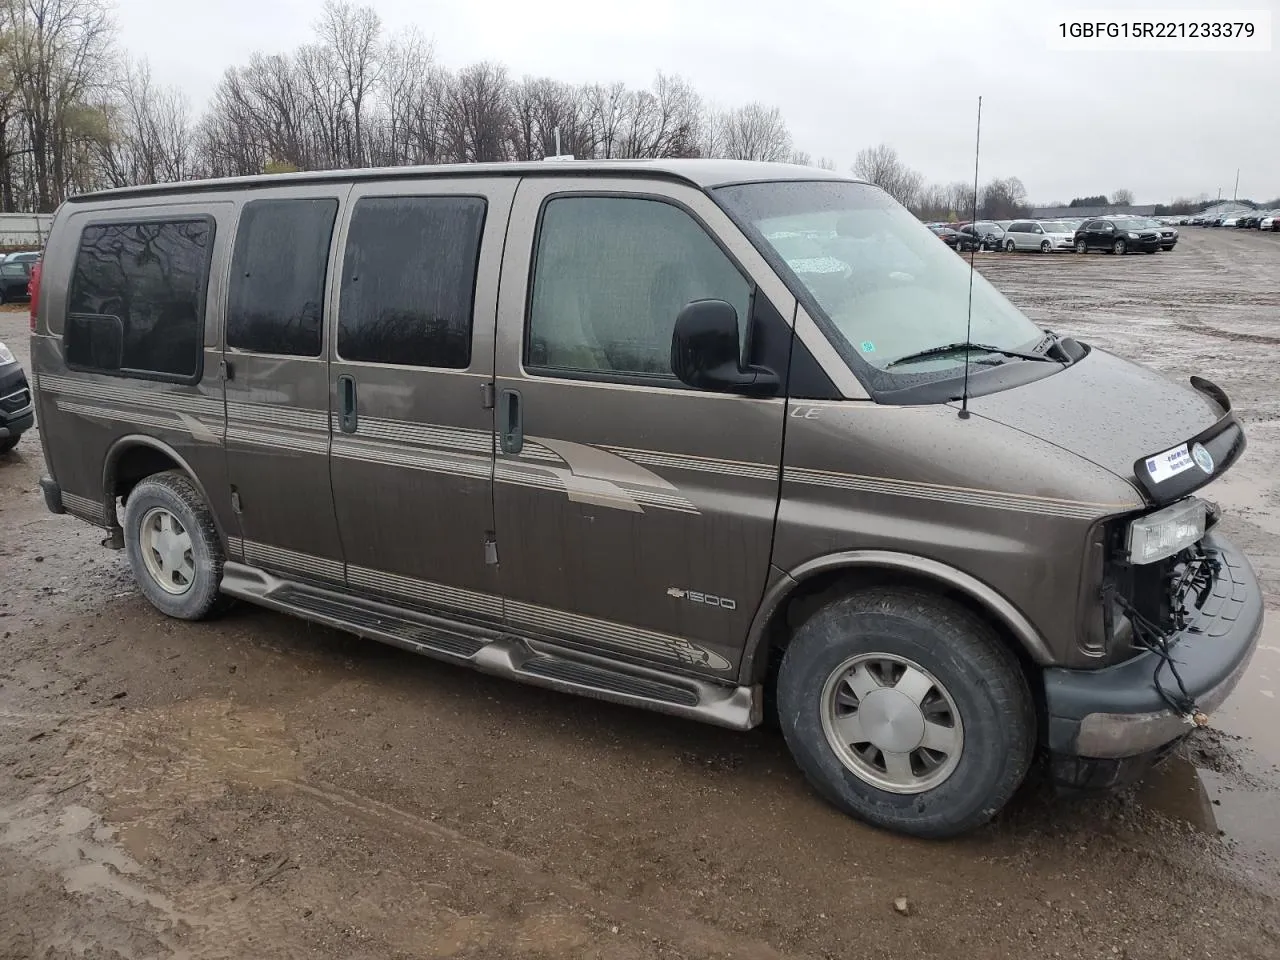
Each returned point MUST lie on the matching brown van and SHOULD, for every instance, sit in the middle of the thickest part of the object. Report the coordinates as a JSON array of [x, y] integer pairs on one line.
[[672, 434]]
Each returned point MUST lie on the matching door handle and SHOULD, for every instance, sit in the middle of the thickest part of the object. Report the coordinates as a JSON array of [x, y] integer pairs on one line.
[[511, 421], [348, 417]]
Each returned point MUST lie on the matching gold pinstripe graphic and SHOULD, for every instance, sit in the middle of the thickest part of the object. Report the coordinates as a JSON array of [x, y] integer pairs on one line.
[[280, 558], [681, 461], [465, 452], [632, 639], [133, 396], [994, 499]]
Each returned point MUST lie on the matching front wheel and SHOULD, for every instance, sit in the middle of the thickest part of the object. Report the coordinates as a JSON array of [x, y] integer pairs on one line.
[[907, 711], [1082, 247], [1045, 246], [8, 443], [1009, 246], [1118, 247], [173, 547]]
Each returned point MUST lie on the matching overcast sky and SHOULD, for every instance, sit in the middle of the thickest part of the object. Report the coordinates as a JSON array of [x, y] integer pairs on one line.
[[846, 73]]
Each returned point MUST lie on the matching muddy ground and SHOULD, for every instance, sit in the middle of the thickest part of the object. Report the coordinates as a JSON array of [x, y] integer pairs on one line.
[[260, 788]]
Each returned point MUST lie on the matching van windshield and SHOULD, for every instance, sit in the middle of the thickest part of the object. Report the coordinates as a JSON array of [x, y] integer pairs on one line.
[[879, 279]]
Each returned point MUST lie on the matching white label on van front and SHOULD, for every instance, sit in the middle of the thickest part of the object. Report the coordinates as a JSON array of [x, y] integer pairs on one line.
[[1170, 463]]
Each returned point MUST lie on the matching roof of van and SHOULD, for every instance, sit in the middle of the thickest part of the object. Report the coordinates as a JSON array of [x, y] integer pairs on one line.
[[702, 173]]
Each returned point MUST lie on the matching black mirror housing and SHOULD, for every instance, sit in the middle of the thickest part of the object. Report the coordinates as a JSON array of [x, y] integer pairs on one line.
[[705, 351]]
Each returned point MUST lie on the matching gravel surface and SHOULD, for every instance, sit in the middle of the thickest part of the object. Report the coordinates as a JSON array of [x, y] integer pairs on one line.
[[257, 787]]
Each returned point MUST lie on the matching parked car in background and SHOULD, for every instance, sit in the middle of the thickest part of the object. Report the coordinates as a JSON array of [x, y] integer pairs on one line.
[[1270, 222], [15, 275], [982, 235], [948, 236], [1116, 236], [1043, 235], [25, 256], [17, 410], [1168, 235], [1230, 221]]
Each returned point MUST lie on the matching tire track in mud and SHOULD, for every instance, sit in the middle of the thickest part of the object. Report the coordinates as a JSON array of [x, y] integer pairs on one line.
[[145, 764]]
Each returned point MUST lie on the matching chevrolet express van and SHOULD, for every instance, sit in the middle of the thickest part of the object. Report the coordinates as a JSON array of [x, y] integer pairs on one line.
[[681, 434]]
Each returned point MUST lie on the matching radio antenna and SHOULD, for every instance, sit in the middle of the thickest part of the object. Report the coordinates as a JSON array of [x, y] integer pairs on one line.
[[973, 250]]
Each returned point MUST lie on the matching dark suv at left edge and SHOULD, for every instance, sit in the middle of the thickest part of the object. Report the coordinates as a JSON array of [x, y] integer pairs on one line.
[[17, 413]]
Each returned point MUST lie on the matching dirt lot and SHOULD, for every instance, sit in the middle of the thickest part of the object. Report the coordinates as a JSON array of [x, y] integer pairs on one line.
[[259, 788]]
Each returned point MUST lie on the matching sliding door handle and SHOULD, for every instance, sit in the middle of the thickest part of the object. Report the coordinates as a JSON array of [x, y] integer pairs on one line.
[[511, 421], [348, 414]]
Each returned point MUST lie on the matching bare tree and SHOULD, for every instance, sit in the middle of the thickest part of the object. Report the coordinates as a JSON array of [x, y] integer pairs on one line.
[[60, 57], [148, 133], [880, 165], [1122, 198], [1004, 199], [349, 37], [477, 120], [754, 132]]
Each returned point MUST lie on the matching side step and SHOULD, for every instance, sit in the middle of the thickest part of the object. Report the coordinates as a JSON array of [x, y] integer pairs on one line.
[[500, 653]]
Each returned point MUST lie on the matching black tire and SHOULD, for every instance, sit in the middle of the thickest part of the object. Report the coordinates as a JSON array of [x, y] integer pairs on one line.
[[173, 491], [964, 653], [8, 443], [1010, 246], [1120, 248], [1046, 246], [1082, 246]]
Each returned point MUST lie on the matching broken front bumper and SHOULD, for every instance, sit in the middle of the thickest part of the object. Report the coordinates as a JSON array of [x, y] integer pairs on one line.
[[1117, 712]]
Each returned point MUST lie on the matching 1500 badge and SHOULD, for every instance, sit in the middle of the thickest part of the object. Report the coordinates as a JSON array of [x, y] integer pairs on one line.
[[707, 599]]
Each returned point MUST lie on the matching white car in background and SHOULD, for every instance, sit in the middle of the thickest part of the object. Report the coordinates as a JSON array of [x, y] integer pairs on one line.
[[1269, 222], [1043, 235]]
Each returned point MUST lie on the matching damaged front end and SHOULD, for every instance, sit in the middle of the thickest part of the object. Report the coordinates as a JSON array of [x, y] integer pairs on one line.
[[1174, 615]]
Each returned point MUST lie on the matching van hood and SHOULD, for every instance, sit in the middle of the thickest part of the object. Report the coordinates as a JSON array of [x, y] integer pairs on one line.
[[1117, 414]]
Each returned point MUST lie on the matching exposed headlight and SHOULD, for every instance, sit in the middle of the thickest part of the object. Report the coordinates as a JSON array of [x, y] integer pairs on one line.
[[6, 355], [1166, 532], [1133, 236]]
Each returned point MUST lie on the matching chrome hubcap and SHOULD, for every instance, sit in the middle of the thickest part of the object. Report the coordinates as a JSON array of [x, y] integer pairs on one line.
[[166, 551], [891, 723]]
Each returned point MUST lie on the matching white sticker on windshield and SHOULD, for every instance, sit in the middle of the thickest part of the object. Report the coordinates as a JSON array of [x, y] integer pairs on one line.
[[1170, 463]]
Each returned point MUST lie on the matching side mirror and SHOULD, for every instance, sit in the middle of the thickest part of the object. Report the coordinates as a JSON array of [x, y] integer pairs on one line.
[[705, 351]]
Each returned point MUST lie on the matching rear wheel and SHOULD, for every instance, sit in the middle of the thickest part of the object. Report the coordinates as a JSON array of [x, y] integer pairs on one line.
[[1082, 247], [173, 547], [906, 710], [1009, 246]]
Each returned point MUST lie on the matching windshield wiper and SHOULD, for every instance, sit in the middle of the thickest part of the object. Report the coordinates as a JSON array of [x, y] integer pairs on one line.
[[954, 347]]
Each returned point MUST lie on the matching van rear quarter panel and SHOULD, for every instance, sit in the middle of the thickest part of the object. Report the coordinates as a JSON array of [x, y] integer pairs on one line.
[[85, 416], [1010, 510]]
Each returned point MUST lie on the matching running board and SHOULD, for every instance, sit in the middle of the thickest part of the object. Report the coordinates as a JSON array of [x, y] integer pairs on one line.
[[500, 653]]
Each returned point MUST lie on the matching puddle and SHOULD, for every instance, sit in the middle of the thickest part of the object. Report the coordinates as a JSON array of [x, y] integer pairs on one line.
[[1229, 784]]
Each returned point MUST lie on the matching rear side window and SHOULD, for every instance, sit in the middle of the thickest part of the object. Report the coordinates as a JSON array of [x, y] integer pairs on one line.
[[612, 274], [409, 281], [136, 306], [276, 300], [13, 270], [1020, 228]]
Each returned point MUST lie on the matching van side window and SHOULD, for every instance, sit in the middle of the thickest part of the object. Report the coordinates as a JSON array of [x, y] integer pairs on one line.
[[409, 281], [140, 288], [276, 300], [610, 276]]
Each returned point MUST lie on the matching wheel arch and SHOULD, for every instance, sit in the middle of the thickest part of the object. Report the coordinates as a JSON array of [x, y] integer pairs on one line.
[[133, 458], [813, 581]]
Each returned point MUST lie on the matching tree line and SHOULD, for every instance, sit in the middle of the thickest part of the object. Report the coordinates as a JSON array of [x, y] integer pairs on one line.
[[78, 115], [998, 199]]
